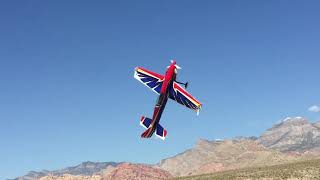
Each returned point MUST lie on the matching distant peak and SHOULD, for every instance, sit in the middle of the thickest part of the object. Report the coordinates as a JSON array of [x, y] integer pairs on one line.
[[201, 141], [286, 119], [88, 162], [292, 120]]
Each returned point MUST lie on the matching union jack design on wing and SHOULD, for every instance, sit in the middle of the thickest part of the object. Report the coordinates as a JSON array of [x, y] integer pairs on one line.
[[150, 79], [177, 93]]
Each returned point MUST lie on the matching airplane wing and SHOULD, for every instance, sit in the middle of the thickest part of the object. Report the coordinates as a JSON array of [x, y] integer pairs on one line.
[[179, 94], [150, 79]]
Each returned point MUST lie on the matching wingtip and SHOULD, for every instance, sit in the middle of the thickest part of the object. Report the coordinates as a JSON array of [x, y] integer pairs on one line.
[[198, 110]]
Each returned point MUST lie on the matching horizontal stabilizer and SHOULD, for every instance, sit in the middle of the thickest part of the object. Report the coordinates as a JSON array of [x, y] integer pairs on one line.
[[145, 122], [161, 132]]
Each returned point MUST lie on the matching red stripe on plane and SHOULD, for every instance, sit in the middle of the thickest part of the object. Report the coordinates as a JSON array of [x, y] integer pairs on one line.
[[152, 73]]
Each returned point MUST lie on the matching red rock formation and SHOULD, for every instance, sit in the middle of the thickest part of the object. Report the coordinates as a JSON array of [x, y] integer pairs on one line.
[[127, 171]]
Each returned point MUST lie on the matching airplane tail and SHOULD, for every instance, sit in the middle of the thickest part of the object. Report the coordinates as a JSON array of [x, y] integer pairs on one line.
[[146, 123]]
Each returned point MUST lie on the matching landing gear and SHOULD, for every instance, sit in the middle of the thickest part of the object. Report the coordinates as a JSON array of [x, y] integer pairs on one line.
[[185, 84]]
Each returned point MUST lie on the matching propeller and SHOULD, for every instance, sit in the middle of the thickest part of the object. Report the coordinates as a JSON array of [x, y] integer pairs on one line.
[[176, 65]]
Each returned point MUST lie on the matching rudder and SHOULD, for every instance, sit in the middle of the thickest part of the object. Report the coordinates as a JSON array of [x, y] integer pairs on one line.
[[147, 133]]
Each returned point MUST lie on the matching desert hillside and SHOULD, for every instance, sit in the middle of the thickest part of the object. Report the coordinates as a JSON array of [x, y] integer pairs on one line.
[[292, 171], [213, 156]]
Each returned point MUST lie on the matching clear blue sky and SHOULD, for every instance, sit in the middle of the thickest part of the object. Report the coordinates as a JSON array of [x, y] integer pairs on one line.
[[67, 92]]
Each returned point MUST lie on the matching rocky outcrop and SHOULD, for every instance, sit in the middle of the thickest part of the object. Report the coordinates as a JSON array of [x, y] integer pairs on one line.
[[292, 134], [128, 171]]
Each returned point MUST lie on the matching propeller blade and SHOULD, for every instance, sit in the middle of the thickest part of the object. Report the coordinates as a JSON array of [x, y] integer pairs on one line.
[[178, 67]]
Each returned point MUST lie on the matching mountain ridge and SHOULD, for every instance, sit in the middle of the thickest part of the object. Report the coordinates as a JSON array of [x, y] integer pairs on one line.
[[87, 168], [292, 134], [290, 140]]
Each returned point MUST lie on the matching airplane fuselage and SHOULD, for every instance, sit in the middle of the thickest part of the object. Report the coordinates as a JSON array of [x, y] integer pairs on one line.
[[170, 77]]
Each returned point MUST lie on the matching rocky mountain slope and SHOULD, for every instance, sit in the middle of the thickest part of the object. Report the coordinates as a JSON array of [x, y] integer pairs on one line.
[[124, 171], [128, 171], [212, 156], [86, 169], [292, 134]]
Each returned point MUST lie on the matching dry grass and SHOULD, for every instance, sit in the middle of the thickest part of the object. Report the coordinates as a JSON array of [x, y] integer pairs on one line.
[[300, 170]]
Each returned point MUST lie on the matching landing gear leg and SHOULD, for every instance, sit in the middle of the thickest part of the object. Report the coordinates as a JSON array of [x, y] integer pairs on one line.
[[185, 84]]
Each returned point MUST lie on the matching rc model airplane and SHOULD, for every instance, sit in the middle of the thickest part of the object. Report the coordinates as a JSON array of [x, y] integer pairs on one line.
[[166, 87]]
